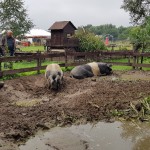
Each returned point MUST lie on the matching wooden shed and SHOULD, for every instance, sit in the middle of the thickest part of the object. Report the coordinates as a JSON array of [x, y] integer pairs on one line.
[[62, 35]]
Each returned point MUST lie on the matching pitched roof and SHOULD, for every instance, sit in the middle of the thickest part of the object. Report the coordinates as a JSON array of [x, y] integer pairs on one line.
[[61, 25]]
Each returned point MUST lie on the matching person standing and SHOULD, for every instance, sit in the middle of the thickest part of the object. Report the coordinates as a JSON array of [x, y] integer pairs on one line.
[[9, 42], [2, 48]]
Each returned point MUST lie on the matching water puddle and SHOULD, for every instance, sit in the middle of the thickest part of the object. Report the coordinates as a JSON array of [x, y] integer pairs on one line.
[[102, 136]]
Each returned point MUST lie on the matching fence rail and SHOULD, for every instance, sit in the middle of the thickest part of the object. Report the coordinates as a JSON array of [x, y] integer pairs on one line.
[[75, 59]]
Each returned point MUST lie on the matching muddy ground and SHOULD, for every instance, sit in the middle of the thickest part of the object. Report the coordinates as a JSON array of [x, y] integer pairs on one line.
[[26, 105]]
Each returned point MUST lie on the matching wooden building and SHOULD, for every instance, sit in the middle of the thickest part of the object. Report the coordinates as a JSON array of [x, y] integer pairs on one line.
[[62, 36]]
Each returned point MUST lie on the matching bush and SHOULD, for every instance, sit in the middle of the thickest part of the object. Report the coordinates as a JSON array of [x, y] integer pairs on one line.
[[89, 42]]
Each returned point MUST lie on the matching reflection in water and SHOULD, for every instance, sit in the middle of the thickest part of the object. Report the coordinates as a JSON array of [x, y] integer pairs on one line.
[[102, 136], [139, 133]]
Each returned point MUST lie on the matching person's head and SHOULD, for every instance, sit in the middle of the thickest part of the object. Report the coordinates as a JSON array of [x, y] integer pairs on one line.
[[9, 33]]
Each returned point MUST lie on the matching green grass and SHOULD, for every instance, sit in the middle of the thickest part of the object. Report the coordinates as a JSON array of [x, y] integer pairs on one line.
[[32, 48], [121, 68]]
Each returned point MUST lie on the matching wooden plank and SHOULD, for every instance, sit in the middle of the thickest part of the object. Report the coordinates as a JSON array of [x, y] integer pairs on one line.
[[30, 57], [119, 63], [15, 71], [142, 65], [117, 53], [142, 54]]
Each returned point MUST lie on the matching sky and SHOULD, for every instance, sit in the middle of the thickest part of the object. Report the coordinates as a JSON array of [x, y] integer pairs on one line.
[[44, 13]]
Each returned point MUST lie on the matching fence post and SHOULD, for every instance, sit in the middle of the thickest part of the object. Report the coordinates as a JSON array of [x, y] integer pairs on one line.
[[66, 59], [134, 60], [38, 62], [142, 58], [129, 60], [1, 75]]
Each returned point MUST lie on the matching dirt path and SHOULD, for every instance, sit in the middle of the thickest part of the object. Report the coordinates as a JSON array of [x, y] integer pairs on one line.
[[27, 106]]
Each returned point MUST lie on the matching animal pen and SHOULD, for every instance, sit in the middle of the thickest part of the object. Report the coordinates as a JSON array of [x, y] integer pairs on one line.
[[67, 58]]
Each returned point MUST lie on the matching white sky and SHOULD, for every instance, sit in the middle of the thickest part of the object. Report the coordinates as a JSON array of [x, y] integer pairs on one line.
[[81, 12]]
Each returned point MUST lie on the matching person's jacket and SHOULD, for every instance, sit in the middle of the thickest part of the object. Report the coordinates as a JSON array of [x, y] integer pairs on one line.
[[8, 41]]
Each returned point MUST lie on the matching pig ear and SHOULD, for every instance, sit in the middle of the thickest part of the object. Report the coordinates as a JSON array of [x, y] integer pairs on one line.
[[109, 65], [48, 73]]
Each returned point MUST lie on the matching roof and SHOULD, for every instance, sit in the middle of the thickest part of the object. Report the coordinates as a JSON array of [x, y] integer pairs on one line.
[[38, 33], [61, 25]]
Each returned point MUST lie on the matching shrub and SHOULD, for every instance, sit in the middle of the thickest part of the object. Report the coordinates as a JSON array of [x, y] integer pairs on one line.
[[89, 41]]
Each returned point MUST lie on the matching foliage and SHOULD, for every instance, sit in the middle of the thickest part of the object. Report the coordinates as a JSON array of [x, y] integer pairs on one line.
[[141, 34], [138, 9], [138, 111], [13, 16], [88, 41], [109, 30], [144, 112]]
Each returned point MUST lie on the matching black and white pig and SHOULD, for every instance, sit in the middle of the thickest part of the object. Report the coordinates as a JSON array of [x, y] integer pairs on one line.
[[54, 76], [90, 70]]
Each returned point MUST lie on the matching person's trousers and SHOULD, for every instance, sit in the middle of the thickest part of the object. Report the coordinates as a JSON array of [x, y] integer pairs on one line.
[[11, 51]]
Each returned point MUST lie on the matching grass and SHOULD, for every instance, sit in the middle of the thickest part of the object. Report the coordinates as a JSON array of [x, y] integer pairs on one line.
[[32, 48], [125, 60]]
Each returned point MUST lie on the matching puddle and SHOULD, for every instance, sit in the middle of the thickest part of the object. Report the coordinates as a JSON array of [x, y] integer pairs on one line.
[[102, 136]]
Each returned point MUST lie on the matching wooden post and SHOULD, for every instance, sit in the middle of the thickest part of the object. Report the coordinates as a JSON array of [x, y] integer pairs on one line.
[[129, 60], [134, 61], [66, 60], [1, 69], [142, 58], [134, 57], [38, 62]]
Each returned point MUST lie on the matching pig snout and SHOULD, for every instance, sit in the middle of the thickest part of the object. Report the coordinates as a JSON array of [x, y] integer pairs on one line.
[[55, 84]]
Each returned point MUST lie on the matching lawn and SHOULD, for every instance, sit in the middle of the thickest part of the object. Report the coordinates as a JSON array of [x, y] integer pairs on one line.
[[32, 48]]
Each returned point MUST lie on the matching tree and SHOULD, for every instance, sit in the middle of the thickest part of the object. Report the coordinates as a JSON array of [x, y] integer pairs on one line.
[[138, 9], [118, 33], [14, 16], [140, 35], [88, 41]]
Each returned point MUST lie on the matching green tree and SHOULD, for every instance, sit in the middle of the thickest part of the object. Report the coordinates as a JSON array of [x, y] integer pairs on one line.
[[141, 34], [14, 16], [118, 33], [139, 9], [88, 41]]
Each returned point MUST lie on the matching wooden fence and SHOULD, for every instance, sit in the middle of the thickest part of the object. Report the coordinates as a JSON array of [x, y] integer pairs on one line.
[[73, 59]]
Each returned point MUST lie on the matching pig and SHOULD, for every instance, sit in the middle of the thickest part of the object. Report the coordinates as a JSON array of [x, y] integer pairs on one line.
[[90, 70], [54, 76]]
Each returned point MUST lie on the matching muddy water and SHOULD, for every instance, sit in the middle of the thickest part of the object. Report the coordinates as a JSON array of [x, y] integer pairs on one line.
[[102, 136]]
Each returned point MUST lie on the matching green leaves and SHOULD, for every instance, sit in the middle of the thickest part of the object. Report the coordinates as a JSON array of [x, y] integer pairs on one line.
[[138, 9], [89, 42], [141, 34], [14, 16], [109, 30]]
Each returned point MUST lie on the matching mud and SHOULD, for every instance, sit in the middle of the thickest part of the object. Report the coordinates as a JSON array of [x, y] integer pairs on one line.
[[26, 105]]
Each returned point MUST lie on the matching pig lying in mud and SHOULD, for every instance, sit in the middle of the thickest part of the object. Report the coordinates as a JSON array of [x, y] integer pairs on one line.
[[90, 70], [54, 76]]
